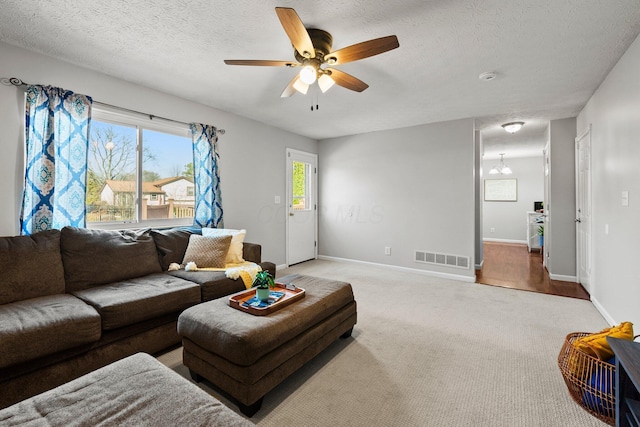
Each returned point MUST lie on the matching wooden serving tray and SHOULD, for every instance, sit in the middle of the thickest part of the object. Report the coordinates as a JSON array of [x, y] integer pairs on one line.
[[290, 295]]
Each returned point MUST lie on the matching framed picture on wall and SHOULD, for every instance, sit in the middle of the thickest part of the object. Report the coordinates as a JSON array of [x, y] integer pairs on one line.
[[501, 190]]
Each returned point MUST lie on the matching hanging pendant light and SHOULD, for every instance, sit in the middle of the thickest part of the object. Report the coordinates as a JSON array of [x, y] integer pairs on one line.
[[502, 169]]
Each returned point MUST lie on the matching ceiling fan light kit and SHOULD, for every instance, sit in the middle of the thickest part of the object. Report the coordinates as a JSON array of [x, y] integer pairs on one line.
[[301, 86], [312, 50], [513, 127], [325, 82], [308, 74]]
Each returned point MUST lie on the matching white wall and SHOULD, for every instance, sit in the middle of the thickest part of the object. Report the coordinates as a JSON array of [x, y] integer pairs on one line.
[[509, 219], [408, 189], [614, 112], [252, 168]]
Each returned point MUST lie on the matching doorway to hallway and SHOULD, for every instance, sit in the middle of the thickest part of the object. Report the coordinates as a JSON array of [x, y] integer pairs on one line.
[[511, 265]]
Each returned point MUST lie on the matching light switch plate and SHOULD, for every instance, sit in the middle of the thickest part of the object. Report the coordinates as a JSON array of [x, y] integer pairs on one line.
[[625, 198]]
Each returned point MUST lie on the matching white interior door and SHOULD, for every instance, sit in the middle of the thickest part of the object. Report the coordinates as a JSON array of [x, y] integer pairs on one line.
[[583, 209], [546, 204], [302, 217]]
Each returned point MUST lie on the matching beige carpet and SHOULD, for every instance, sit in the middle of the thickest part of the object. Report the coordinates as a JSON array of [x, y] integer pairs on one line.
[[433, 352]]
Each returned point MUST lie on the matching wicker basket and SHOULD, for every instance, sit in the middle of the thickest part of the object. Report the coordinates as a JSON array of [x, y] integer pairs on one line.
[[590, 380]]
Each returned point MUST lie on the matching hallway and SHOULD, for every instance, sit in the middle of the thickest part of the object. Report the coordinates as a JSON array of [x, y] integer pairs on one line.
[[510, 265]]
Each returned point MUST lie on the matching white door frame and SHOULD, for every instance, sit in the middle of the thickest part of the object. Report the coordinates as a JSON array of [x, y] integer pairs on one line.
[[585, 279], [314, 189]]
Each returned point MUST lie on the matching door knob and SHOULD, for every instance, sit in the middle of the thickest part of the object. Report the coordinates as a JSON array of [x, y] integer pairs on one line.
[[578, 220], [290, 213]]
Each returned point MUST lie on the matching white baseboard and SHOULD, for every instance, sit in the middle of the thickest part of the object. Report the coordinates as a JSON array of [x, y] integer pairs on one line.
[[486, 239], [562, 278], [281, 266], [603, 312], [459, 277]]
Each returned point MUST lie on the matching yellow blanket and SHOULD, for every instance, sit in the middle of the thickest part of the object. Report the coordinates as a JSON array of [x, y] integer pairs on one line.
[[245, 270]]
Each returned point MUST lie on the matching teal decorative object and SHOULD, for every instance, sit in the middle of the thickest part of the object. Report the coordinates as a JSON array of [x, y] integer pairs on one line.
[[263, 294]]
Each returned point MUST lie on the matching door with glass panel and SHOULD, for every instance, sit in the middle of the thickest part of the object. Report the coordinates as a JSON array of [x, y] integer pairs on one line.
[[302, 210]]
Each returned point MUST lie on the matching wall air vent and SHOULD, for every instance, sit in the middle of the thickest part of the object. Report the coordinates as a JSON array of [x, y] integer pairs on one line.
[[442, 259]]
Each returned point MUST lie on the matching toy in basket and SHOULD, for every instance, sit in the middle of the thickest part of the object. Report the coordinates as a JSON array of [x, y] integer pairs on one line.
[[588, 368]]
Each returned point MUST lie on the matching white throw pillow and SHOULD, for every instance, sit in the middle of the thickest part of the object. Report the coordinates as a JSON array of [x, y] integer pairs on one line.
[[234, 256]]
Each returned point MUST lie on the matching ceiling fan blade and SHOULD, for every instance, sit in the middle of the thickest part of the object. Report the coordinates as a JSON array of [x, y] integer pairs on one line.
[[347, 80], [260, 62], [290, 89], [362, 50], [296, 31]]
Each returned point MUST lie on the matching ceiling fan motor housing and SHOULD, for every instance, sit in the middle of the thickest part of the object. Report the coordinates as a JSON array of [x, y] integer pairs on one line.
[[322, 42]]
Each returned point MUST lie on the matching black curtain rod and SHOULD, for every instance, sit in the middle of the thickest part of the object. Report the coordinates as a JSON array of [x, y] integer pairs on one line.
[[14, 81]]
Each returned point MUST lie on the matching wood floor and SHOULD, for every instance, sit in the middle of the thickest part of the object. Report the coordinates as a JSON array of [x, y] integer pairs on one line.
[[513, 266]]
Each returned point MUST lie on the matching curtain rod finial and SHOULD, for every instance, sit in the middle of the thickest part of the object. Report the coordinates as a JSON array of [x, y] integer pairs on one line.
[[11, 81]]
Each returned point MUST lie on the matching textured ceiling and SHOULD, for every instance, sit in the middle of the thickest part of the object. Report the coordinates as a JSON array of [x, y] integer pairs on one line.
[[549, 56]]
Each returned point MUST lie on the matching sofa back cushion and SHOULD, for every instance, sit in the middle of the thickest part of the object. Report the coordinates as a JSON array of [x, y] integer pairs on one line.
[[98, 257], [171, 245], [31, 266]]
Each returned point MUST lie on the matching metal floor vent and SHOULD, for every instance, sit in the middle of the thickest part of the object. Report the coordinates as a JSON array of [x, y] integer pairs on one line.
[[442, 259]]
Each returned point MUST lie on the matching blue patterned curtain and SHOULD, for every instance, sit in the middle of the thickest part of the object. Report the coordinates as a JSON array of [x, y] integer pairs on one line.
[[57, 137], [208, 210]]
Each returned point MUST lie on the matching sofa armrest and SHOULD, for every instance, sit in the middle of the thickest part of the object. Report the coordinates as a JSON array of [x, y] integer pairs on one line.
[[252, 252]]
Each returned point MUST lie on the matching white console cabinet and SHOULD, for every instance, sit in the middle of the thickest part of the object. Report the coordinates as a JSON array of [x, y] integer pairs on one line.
[[534, 220]]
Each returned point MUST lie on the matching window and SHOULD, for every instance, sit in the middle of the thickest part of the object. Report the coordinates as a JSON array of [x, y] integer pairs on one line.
[[300, 186], [140, 170]]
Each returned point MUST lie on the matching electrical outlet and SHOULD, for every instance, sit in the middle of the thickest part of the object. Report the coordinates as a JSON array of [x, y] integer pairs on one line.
[[493, 230], [387, 250], [276, 200]]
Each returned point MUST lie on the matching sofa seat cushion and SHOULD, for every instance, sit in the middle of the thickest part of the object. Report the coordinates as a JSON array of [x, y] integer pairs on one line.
[[135, 300], [31, 266], [134, 391], [45, 325], [213, 284], [99, 257]]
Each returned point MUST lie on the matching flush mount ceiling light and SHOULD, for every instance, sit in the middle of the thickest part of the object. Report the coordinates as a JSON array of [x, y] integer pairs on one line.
[[502, 169], [488, 76], [513, 127]]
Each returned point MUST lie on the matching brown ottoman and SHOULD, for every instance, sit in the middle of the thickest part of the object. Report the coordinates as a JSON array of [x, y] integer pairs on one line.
[[246, 355]]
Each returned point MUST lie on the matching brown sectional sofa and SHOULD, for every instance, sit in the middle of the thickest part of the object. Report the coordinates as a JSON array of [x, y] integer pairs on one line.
[[74, 300], [134, 391]]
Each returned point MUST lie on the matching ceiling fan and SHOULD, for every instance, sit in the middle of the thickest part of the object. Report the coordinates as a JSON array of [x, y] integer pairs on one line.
[[312, 50]]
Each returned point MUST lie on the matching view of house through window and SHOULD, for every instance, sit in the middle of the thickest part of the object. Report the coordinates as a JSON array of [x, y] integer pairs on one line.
[[119, 190]]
